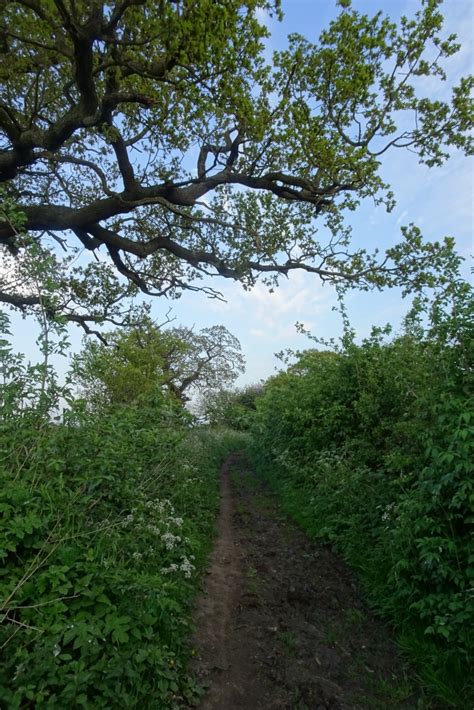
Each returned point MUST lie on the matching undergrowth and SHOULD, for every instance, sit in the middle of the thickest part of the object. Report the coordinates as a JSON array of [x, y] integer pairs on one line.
[[370, 448], [106, 520]]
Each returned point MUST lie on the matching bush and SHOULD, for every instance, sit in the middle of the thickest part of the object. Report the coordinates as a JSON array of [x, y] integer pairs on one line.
[[371, 449], [107, 518]]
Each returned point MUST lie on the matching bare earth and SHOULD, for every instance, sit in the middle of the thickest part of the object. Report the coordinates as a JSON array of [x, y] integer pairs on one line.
[[280, 623]]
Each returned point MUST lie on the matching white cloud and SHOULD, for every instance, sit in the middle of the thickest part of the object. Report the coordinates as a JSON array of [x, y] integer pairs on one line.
[[403, 215], [258, 333], [297, 297]]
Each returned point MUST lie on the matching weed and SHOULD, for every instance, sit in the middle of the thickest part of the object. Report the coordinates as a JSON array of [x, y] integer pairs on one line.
[[289, 641]]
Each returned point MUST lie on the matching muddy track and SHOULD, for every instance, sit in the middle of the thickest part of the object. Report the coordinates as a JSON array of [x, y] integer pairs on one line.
[[281, 623]]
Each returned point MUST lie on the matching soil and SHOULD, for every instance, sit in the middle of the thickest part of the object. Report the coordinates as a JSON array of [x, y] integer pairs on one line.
[[281, 622]]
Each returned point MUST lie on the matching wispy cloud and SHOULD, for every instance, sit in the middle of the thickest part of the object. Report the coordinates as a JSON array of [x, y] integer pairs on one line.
[[299, 296], [402, 217]]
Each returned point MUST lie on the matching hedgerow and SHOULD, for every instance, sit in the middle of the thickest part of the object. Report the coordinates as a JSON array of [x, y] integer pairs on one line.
[[106, 520], [371, 449]]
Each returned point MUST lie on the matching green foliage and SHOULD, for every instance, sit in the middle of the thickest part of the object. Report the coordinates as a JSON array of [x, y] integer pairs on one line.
[[157, 133], [231, 408], [371, 448], [134, 363], [107, 517]]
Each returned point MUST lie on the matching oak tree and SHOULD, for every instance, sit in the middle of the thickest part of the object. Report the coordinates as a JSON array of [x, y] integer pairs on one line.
[[136, 362], [146, 145]]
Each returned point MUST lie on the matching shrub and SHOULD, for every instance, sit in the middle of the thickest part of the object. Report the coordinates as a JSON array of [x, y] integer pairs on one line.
[[371, 449], [106, 521]]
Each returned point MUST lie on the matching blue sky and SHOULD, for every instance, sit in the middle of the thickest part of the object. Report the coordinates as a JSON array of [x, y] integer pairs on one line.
[[438, 200]]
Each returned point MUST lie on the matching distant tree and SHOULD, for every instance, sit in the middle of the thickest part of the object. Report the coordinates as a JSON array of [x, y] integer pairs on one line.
[[138, 361], [203, 361], [231, 408], [153, 136]]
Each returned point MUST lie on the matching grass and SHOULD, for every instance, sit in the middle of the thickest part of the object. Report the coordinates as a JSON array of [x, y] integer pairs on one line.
[[448, 685], [289, 641], [353, 618]]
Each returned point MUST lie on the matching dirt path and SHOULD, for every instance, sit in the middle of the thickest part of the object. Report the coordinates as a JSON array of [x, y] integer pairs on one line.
[[280, 623]]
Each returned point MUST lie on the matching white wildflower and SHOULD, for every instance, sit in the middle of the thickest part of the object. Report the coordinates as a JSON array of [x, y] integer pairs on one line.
[[153, 528], [186, 567], [170, 540], [387, 514], [172, 568], [126, 521]]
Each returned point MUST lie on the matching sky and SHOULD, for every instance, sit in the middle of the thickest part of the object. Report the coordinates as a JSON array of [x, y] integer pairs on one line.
[[438, 200]]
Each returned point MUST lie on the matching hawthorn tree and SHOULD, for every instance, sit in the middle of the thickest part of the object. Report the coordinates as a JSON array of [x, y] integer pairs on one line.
[[135, 362], [146, 145]]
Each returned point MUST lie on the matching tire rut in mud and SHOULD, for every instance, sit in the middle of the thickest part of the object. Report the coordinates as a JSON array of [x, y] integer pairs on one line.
[[281, 623]]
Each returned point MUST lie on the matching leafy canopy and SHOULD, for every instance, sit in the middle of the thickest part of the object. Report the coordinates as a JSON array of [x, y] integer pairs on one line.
[[135, 363], [152, 135]]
